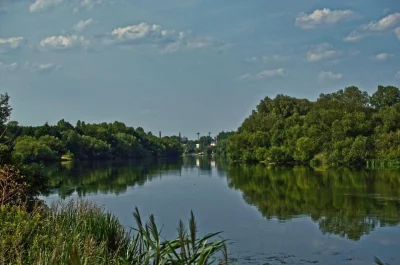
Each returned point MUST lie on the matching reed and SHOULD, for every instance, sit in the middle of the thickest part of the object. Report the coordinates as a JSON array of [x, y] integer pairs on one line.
[[80, 232]]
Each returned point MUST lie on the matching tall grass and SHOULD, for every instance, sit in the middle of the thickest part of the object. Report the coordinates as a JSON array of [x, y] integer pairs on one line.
[[80, 232]]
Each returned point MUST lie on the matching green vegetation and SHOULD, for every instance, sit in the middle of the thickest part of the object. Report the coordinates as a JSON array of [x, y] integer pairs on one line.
[[204, 146], [80, 232], [84, 141], [348, 127]]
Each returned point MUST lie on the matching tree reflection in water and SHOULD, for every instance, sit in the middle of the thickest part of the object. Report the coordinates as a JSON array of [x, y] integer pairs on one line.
[[344, 202], [347, 203]]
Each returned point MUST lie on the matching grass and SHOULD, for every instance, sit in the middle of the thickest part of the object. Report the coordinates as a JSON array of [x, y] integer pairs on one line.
[[80, 232]]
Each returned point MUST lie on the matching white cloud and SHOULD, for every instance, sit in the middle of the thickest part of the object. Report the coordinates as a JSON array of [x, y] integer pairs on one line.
[[381, 57], [81, 25], [144, 32], [9, 67], [321, 52], [13, 43], [64, 42], [30, 67], [387, 23], [322, 17], [252, 59], [329, 75], [167, 40], [42, 68], [266, 58], [199, 42], [355, 35], [398, 75], [397, 32], [280, 72], [42, 5]]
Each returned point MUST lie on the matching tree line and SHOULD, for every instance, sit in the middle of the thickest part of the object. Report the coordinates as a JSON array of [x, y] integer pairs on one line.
[[347, 127], [84, 141]]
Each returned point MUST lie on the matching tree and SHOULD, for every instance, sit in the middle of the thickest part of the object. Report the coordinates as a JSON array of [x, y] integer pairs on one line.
[[28, 149], [5, 108], [341, 127], [386, 96]]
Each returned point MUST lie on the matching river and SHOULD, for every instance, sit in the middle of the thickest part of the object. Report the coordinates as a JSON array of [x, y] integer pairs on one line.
[[271, 215]]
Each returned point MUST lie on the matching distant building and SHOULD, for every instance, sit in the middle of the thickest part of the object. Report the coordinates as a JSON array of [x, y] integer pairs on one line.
[[213, 143], [197, 145]]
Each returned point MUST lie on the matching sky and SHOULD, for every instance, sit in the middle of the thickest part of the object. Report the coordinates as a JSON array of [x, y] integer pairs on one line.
[[188, 66]]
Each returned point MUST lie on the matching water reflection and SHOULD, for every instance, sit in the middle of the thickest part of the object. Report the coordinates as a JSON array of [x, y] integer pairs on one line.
[[116, 176], [343, 202], [346, 203]]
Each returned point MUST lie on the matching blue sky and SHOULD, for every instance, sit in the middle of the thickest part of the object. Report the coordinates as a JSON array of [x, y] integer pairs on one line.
[[188, 65]]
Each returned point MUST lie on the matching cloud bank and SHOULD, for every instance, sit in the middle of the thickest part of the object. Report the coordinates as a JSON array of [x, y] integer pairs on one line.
[[58, 43], [387, 23], [154, 35]]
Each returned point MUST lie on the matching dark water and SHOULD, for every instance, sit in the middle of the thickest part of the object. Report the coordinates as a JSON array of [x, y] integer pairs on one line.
[[273, 215]]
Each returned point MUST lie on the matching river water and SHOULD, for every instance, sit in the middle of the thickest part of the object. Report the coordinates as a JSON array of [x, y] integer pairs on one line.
[[271, 215]]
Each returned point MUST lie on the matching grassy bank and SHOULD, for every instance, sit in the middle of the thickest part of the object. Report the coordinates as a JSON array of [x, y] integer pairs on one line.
[[79, 232]]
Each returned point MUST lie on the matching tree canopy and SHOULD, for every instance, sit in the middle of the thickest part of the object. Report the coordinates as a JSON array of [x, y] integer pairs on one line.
[[84, 141], [347, 127]]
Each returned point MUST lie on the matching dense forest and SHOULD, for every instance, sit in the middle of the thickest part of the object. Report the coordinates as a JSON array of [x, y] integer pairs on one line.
[[84, 141], [347, 127]]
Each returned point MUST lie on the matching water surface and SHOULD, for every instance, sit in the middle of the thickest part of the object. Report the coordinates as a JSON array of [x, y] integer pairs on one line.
[[272, 215]]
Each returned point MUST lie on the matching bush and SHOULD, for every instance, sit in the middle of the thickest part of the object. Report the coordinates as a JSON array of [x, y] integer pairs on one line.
[[13, 186]]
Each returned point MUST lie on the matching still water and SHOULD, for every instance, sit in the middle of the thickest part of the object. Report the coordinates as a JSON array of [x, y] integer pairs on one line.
[[272, 215]]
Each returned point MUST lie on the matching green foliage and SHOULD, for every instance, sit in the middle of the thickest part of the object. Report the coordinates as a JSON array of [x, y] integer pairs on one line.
[[29, 149], [349, 127], [385, 97], [4, 153], [80, 232], [5, 109], [87, 142], [27, 144]]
